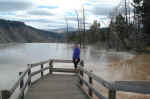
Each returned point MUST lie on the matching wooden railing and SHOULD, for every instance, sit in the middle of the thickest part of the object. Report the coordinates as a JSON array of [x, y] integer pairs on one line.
[[6, 94], [141, 87]]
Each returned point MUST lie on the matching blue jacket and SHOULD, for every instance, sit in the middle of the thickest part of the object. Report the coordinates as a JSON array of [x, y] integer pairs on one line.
[[76, 53]]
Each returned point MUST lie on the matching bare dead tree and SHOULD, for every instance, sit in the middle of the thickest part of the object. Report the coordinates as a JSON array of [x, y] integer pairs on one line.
[[67, 27], [129, 11], [84, 26], [126, 11], [79, 32]]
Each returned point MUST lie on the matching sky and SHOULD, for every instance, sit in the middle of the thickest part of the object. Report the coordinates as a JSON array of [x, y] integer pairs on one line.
[[51, 14]]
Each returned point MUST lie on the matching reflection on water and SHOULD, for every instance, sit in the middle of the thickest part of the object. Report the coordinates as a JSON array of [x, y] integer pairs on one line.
[[14, 57], [109, 65]]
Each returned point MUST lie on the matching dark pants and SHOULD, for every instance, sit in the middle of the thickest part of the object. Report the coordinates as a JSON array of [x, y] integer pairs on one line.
[[76, 61]]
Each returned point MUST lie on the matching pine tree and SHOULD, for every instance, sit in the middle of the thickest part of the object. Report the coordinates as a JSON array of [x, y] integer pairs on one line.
[[146, 16], [94, 32], [138, 13]]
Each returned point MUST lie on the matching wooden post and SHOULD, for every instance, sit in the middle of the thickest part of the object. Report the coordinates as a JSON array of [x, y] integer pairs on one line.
[[29, 73], [82, 63], [5, 94], [112, 94], [90, 82], [81, 72], [21, 85], [51, 67], [22, 97], [22, 81], [42, 71]]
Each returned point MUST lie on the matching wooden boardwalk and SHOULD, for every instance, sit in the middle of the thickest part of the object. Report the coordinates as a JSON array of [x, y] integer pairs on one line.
[[68, 86], [56, 87]]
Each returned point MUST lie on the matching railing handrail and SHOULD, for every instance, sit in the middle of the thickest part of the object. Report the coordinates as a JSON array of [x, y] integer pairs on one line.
[[28, 71], [141, 87], [20, 78], [21, 95], [105, 83], [47, 61], [39, 63]]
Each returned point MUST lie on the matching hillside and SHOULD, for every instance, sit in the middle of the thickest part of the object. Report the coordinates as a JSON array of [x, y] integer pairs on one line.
[[15, 31]]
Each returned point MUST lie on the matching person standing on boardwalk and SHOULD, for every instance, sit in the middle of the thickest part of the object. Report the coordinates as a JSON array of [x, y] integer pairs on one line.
[[76, 56]]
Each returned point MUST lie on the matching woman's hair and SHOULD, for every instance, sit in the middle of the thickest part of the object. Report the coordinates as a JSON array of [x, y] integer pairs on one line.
[[76, 45]]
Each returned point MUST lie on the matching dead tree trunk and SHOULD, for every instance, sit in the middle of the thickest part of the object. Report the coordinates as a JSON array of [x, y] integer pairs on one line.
[[79, 33], [83, 27], [66, 21]]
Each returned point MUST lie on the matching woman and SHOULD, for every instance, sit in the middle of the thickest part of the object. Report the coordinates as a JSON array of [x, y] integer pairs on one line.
[[76, 56]]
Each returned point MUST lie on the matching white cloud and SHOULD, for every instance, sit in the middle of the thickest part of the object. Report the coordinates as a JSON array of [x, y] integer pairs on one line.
[[14, 5], [40, 12], [48, 14]]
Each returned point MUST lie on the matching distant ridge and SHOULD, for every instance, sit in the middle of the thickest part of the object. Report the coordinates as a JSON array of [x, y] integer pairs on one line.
[[63, 30], [16, 31]]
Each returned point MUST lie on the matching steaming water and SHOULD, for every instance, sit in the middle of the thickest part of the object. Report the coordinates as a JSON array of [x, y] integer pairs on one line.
[[15, 57]]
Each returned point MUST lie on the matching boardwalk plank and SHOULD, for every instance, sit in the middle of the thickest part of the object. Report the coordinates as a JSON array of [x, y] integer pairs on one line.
[[56, 87]]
